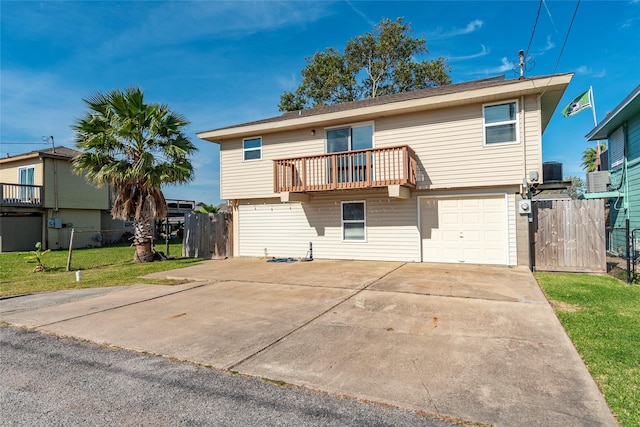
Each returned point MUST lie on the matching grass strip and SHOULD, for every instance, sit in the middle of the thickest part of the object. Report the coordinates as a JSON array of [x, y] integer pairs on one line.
[[602, 317], [101, 267]]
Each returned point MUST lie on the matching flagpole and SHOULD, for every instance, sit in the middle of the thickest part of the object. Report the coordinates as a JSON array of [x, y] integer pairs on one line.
[[595, 123], [593, 106]]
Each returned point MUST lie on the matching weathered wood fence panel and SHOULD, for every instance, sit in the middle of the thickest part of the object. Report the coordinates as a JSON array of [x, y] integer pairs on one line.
[[208, 236], [569, 235]]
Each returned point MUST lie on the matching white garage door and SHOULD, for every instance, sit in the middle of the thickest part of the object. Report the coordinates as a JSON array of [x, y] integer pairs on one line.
[[468, 229]]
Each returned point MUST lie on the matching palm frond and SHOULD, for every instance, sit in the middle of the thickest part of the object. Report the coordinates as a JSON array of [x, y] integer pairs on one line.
[[135, 147]]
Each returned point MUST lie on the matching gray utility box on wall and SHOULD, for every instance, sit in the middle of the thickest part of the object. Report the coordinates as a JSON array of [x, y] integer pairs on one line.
[[598, 181], [54, 222]]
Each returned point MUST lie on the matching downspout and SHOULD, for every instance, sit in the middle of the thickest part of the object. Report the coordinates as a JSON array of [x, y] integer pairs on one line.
[[524, 136], [236, 227], [625, 202], [529, 193]]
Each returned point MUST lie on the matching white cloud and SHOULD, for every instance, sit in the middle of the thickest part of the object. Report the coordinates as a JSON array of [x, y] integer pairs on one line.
[[584, 70], [165, 23], [360, 13], [483, 52], [287, 82], [506, 66], [470, 28], [550, 44]]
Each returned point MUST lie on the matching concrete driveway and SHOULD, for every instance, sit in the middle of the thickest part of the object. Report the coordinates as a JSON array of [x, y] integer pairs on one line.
[[479, 343]]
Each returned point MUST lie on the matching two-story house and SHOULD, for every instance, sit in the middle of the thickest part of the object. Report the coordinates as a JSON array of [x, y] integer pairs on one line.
[[433, 175], [41, 199], [621, 181]]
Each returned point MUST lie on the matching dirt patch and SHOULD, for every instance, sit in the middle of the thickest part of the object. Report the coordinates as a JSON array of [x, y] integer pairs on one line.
[[565, 306]]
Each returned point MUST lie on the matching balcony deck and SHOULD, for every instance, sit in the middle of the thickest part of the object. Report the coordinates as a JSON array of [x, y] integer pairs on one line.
[[20, 195], [359, 169]]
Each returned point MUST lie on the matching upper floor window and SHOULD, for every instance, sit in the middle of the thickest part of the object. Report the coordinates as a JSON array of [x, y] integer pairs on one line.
[[349, 138], [616, 147], [252, 148], [501, 123]]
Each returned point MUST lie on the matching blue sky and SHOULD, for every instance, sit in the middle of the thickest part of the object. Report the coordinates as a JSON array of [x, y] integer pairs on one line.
[[222, 63]]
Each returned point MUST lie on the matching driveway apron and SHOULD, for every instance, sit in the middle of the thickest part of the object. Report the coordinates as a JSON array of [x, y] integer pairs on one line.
[[474, 342]]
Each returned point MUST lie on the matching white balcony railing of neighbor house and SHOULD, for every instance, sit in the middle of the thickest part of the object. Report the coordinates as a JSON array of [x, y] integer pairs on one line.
[[20, 195]]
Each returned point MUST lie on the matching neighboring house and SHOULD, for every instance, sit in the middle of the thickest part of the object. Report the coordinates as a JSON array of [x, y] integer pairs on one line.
[[42, 199], [432, 175], [621, 182]]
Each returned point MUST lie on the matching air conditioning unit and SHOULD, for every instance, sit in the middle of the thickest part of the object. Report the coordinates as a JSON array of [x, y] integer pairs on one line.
[[598, 181], [551, 172]]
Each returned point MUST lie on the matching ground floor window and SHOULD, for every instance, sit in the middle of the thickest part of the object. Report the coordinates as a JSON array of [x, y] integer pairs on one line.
[[353, 221]]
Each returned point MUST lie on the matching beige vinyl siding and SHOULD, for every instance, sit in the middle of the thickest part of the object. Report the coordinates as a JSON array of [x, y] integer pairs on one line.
[[71, 190], [449, 144], [86, 222], [9, 170], [241, 179], [285, 230], [450, 149]]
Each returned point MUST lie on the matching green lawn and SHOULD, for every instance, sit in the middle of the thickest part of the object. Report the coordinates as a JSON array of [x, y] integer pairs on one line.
[[602, 316], [107, 266]]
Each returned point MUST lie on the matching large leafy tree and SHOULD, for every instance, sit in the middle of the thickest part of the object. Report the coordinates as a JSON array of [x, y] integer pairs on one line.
[[590, 157], [135, 148], [380, 62]]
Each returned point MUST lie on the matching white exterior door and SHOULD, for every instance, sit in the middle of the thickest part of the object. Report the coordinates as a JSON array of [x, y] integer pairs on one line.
[[464, 229]]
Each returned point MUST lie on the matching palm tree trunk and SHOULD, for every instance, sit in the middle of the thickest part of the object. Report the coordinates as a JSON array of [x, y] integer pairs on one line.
[[142, 238]]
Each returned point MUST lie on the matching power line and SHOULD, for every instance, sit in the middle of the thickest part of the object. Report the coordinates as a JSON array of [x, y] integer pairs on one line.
[[534, 29], [23, 143], [566, 37]]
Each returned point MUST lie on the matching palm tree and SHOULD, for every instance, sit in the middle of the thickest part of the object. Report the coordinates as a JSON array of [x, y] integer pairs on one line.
[[135, 148], [207, 209], [590, 157]]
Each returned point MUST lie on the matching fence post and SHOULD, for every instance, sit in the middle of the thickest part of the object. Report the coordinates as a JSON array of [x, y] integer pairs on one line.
[[628, 239], [73, 230]]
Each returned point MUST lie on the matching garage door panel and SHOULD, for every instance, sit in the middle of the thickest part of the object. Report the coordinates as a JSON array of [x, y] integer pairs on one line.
[[472, 236], [466, 229], [471, 218], [449, 219]]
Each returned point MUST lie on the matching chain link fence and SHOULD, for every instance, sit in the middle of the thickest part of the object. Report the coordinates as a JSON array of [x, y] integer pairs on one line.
[[623, 251]]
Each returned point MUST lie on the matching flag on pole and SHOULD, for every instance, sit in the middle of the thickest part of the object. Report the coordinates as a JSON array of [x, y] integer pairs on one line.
[[578, 104]]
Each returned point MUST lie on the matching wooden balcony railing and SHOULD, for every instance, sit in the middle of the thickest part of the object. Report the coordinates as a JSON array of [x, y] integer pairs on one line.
[[375, 167], [20, 195]]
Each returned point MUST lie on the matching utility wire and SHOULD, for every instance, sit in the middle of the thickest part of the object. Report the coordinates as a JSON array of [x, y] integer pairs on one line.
[[534, 29], [567, 36]]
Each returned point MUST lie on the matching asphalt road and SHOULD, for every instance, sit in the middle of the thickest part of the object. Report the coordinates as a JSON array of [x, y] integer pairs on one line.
[[50, 381]]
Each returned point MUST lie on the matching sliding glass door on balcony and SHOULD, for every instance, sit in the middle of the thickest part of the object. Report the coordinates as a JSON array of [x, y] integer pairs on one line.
[[26, 178], [349, 167]]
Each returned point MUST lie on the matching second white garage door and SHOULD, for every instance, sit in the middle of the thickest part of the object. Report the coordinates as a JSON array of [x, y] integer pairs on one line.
[[466, 229]]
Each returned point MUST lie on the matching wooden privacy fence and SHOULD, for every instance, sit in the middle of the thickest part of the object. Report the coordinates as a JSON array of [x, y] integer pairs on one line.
[[569, 235], [208, 236]]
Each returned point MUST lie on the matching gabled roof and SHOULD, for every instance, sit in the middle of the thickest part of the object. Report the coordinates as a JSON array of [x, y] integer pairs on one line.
[[61, 153], [629, 107], [485, 90]]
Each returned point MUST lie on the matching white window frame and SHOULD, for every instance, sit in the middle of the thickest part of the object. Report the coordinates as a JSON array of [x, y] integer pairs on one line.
[[249, 150], [351, 126], [363, 221], [515, 121], [26, 193]]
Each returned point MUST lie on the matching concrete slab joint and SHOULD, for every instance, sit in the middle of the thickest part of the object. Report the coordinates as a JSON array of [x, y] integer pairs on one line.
[[479, 343]]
